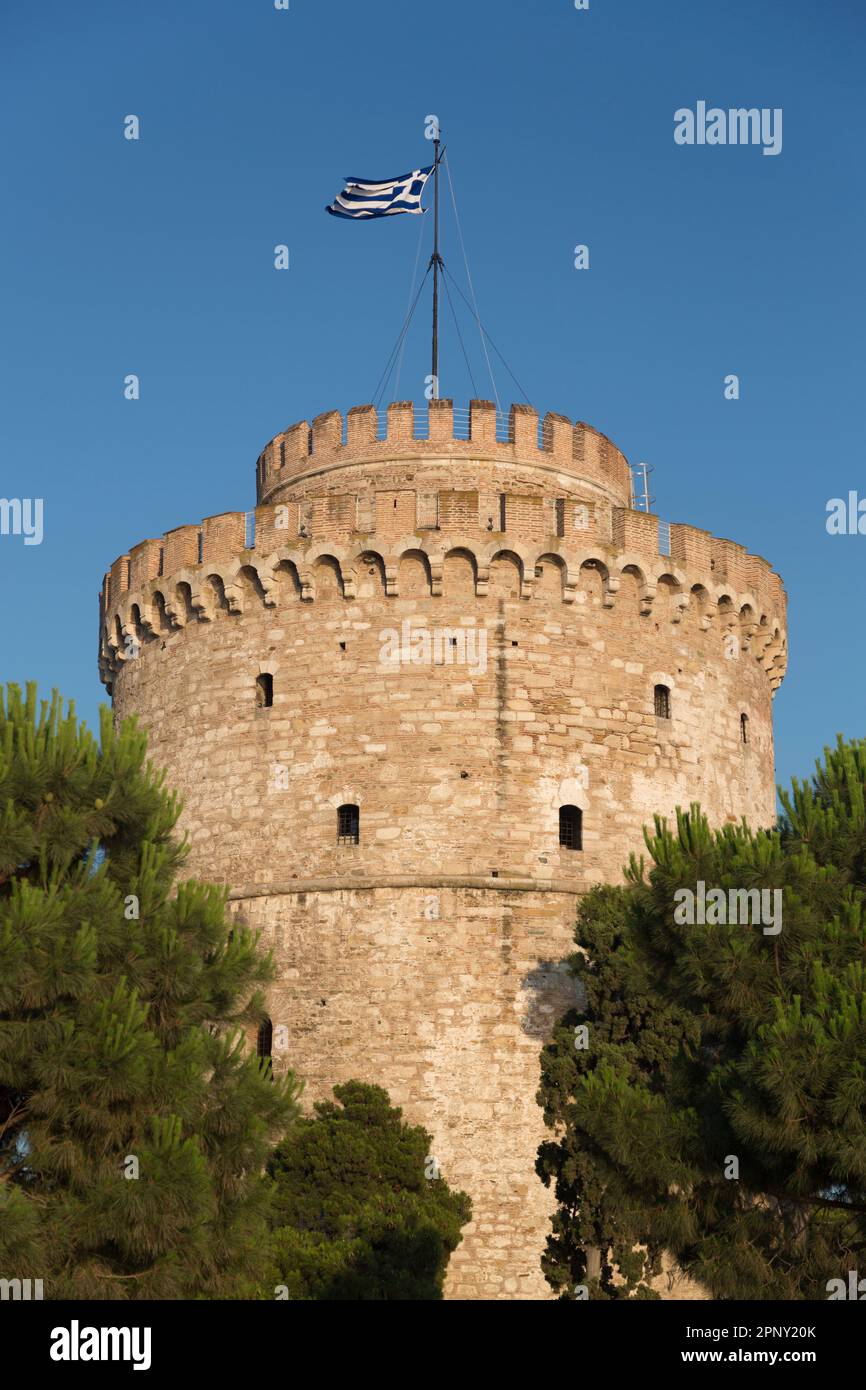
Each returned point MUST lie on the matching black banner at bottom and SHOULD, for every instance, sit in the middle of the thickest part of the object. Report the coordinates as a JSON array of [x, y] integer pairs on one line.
[[58, 1340]]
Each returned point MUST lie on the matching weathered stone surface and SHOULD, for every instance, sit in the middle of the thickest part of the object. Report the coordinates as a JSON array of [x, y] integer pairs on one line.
[[427, 957]]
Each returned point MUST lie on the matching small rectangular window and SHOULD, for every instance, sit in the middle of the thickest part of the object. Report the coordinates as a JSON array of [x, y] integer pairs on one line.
[[264, 1047], [264, 690], [348, 825], [570, 827], [662, 701], [560, 516], [264, 1042], [502, 517]]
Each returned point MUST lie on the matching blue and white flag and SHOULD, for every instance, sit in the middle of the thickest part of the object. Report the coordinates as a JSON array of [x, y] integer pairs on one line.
[[363, 198]]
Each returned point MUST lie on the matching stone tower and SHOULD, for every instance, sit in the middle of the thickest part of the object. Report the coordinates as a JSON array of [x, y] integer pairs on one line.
[[415, 704]]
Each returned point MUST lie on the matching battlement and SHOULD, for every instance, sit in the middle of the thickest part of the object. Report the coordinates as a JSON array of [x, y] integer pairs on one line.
[[563, 499], [193, 572], [239, 539], [366, 435]]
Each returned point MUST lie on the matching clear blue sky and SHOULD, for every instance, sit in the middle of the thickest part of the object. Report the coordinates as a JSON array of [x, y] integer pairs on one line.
[[156, 258]]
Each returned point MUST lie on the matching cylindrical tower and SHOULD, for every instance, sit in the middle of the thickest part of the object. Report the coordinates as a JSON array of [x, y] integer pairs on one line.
[[415, 704]]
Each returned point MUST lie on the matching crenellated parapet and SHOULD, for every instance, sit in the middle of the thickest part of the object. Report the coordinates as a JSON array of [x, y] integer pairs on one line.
[[336, 498], [440, 433], [210, 572]]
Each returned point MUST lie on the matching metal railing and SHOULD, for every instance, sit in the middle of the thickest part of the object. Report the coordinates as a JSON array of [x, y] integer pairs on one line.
[[461, 426]]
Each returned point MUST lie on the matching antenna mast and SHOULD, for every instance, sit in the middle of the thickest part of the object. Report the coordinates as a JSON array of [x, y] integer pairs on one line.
[[437, 263], [642, 501]]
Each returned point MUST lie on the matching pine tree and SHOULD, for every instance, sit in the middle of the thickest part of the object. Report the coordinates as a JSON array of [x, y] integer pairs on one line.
[[360, 1211], [134, 1122], [718, 1110]]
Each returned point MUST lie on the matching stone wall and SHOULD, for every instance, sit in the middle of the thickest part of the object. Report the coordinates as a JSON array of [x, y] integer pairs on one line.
[[427, 958]]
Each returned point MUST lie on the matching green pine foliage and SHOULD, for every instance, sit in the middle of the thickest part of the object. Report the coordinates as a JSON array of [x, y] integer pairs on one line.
[[359, 1210], [122, 999], [712, 1043]]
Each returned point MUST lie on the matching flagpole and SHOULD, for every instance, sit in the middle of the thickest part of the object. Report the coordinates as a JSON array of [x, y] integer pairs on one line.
[[436, 262]]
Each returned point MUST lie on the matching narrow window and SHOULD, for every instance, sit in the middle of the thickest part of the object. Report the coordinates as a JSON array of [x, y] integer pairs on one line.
[[571, 827], [200, 547], [502, 511], [264, 691], [348, 825], [560, 516], [161, 560], [662, 702], [744, 728], [264, 1044]]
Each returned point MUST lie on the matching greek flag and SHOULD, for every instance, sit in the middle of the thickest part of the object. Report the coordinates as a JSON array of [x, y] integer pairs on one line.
[[362, 198]]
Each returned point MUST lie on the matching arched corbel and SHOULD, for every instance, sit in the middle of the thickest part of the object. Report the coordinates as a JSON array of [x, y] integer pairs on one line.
[[269, 588], [234, 598], [680, 606], [131, 642], [175, 611], [647, 598], [708, 614], [305, 579]]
